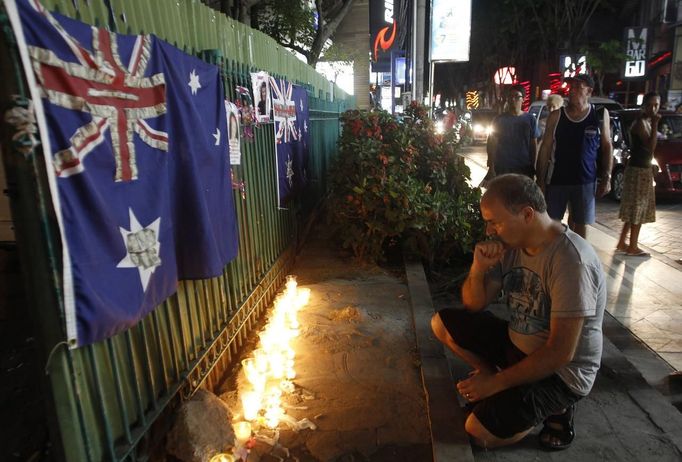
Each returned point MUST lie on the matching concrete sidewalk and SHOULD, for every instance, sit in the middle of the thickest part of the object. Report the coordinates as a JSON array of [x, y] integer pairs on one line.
[[358, 371], [645, 296]]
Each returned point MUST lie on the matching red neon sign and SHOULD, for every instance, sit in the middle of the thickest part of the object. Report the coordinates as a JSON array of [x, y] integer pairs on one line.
[[665, 55], [382, 41]]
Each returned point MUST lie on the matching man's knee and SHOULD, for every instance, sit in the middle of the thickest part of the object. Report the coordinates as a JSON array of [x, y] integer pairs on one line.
[[481, 437], [438, 328]]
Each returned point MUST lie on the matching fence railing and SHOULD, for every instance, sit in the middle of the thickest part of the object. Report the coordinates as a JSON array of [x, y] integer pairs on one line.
[[112, 400]]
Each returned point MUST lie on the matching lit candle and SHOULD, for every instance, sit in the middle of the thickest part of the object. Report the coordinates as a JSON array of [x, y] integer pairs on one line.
[[222, 458], [267, 339], [253, 375], [273, 394], [291, 284], [273, 416], [260, 360], [291, 373], [276, 365], [242, 431], [290, 353], [251, 403]]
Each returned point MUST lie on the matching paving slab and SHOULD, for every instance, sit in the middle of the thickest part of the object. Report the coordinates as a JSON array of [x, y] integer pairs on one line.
[[644, 294]]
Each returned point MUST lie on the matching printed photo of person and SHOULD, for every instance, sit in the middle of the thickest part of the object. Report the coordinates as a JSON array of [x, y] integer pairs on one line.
[[247, 118], [233, 132], [261, 94], [263, 98]]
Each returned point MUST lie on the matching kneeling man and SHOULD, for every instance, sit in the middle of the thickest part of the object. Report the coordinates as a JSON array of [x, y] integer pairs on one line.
[[535, 367]]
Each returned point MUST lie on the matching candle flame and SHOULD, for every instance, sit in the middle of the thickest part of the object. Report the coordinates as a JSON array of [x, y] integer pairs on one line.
[[271, 368]]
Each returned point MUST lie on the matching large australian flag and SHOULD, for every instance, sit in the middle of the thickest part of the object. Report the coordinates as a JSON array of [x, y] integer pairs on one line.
[[134, 139], [292, 124]]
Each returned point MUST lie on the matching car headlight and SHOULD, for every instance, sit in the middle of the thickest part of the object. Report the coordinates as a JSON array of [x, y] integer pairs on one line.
[[478, 128], [489, 130]]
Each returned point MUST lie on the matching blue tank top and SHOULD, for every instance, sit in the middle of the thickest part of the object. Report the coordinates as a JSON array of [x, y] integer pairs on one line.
[[575, 154]]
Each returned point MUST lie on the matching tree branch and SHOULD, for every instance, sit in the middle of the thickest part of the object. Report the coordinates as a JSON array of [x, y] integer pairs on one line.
[[325, 30], [293, 46], [334, 9]]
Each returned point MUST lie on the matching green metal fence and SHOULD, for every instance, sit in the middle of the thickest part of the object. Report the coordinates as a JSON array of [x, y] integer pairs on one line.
[[112, 400]]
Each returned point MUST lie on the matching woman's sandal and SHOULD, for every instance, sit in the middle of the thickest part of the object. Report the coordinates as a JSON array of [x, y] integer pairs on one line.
[[558, 427]]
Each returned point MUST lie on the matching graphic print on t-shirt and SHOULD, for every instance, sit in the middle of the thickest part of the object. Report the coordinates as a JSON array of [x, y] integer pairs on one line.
[[526, 300]]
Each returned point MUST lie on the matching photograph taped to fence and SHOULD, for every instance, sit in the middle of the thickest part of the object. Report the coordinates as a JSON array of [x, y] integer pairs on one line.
[[233, 132], [261, 96], [247, 119]]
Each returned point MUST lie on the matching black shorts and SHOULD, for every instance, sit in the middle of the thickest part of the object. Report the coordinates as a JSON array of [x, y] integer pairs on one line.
[[516, 409]]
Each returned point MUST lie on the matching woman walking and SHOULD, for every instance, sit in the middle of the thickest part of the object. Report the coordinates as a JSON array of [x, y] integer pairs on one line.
[[638, 203]]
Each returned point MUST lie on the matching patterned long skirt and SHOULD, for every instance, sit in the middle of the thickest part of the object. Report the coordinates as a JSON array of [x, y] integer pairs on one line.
[[638, 204]]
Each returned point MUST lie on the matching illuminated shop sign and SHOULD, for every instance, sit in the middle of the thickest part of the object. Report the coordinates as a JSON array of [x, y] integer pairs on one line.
[[450, 30], [383, 30], [572, 65], [505, 76], [635, 48]]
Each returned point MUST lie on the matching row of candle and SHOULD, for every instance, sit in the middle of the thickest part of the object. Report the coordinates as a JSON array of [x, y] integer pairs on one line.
[[271, 367]]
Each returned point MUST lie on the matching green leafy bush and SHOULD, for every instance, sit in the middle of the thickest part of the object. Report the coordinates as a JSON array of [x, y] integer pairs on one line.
[[401, 182]]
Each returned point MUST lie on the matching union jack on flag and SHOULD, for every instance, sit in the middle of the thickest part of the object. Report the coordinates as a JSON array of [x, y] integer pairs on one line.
[[284, 110], [135, 146]]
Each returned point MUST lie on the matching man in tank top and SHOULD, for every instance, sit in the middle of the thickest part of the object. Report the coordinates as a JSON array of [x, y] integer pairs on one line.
[[570, 155]]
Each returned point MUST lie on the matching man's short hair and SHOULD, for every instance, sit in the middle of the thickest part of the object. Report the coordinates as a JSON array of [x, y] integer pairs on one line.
[[518, 88], [648, 96], [515, 192]]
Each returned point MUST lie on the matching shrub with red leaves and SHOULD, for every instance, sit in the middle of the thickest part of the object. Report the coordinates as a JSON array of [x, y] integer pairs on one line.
[[398, 181]]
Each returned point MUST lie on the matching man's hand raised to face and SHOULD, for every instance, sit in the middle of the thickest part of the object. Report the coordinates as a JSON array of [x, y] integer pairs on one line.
[[487, 254]]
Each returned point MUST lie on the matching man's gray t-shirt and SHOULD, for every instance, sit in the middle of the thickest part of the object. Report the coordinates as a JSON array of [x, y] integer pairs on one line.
[[564, 280]]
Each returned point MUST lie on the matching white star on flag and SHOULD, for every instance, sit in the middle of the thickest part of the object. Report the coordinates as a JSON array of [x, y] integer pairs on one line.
[[305, 126], [216, 135], [142, 248], [290, 172], [194, 81], [300, 103]]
